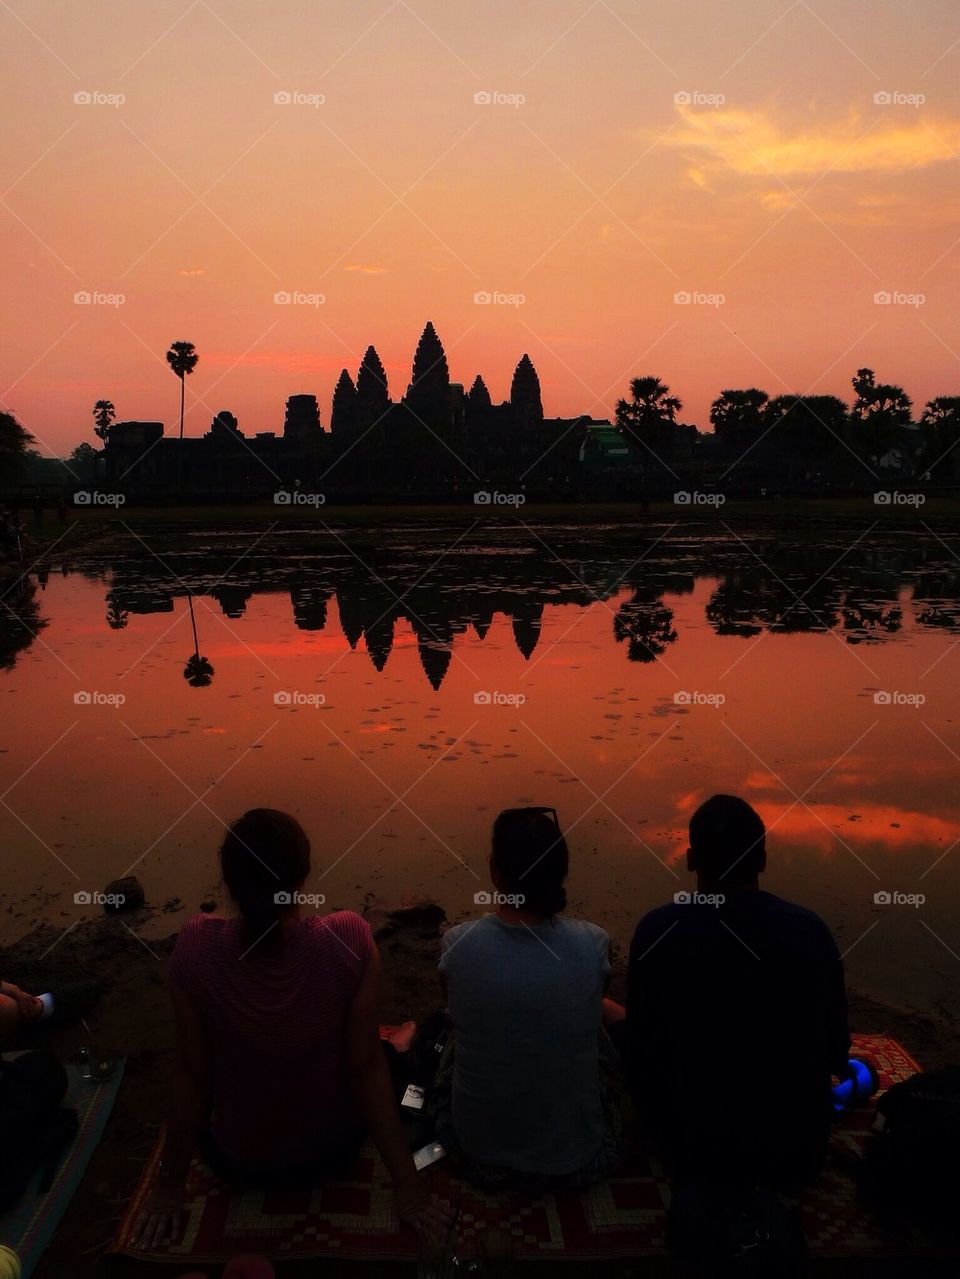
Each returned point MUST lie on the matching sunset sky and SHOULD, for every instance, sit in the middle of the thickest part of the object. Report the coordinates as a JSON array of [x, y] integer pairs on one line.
[[586, 187]]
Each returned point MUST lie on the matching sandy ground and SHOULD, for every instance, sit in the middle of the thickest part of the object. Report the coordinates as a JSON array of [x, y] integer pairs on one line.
[[134, 1019]]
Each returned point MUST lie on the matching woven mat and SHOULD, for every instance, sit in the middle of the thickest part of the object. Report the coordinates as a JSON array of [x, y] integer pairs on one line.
[[625, 1216]]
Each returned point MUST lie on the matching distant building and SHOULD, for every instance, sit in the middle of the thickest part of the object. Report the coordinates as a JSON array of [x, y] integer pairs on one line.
[[607, 460], [301, 422], [603, 445], [143, 463]]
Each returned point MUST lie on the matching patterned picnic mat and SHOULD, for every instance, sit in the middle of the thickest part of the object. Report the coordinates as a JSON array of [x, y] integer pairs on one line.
[[625, 1216]]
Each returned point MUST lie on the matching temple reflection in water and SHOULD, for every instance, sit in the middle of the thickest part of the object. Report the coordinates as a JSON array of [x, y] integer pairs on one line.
[[865, 596]]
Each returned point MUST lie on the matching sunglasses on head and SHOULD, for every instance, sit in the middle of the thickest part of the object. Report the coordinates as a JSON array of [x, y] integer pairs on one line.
[[523, 812]]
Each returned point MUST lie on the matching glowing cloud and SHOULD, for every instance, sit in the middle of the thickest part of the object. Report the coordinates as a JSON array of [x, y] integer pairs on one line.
[[749, 143]]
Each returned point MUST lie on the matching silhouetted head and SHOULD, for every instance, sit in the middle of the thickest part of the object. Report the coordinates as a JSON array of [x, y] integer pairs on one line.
[[530, 858], [727, 842], [264, 860]]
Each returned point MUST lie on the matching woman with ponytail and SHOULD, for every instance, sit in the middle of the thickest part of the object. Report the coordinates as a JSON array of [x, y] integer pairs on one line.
[[279, 1069], [530, 1100]]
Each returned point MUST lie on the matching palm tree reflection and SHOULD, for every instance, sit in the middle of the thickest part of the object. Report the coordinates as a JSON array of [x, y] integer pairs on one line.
[[198, 671], [646, 624]]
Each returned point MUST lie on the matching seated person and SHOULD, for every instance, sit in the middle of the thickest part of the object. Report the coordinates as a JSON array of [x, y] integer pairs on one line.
[[524, 989], [736, 1016], [279, 1064]]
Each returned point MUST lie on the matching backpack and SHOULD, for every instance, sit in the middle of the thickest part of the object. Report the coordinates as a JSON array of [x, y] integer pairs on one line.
[[431, 1039], [910, 1173], [34, 1130]]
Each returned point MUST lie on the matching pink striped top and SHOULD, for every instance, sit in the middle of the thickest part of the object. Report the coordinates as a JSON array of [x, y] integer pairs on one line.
[[276, 1018]]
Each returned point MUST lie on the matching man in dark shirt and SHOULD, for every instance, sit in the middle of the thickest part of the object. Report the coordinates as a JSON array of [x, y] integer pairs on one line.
[[736, 1015]]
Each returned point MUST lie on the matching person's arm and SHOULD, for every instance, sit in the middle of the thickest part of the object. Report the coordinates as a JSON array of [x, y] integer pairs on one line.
[[188, 1105], [373, 1094], [190, 1093], [644, 1038], [838, 1030]]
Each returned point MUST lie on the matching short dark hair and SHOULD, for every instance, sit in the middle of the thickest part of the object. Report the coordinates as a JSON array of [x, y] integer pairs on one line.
[[264, 858], [530, 858], [727, 839]]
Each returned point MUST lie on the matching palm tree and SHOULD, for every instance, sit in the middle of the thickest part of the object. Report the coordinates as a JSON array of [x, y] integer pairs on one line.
[[103, 416], [941, 436], [650, 408], [182, 358], [648, 421], [737, 417], [882, 409]]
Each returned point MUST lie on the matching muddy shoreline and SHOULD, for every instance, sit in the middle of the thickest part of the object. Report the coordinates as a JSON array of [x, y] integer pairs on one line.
[[101, 534], [133, 1018]]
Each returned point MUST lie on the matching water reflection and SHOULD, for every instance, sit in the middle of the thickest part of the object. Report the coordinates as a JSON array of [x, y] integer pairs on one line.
[[865, 594], [20, 620], [598, 635], [198, 672]]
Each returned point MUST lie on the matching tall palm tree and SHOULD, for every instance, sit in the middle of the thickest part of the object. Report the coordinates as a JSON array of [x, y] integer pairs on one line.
[[881, 408], [649, 416], [182, 358], [103, 416]]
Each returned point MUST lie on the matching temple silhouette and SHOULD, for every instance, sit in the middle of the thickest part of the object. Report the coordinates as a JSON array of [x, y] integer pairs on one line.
[[442, 442], [437, 440]]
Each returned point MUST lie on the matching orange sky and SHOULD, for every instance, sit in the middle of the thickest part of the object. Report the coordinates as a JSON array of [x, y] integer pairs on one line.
[[781, 185]]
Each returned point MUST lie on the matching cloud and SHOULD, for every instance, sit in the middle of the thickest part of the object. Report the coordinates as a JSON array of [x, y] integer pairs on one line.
[[367, 268], [699, 178], [193, 270], [750, 144]]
